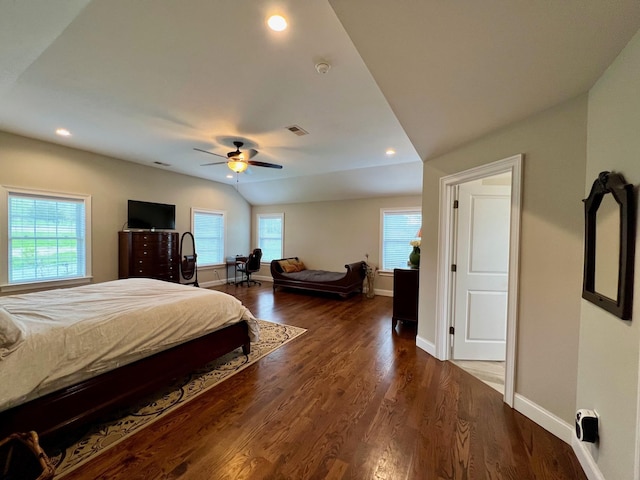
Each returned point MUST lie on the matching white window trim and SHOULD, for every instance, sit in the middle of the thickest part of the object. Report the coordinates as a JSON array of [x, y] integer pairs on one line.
[[5, 286], [389, 273], [211, 266], [257, 227]]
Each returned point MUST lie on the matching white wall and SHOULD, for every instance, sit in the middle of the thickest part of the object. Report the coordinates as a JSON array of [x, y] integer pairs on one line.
[[609, 347], [554, 147], [327, 235], [111, 182]]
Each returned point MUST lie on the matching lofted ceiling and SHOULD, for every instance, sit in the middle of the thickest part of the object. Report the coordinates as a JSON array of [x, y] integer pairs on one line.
[[148, 81]]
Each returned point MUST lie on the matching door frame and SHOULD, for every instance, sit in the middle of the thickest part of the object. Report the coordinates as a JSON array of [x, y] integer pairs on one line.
[[446, 252]]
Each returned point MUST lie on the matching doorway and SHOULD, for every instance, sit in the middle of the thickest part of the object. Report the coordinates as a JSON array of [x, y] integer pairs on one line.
[[486, 309], [481, 251]]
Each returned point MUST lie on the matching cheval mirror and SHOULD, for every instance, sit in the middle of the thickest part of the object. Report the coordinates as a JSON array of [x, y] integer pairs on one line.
[[609, 244]]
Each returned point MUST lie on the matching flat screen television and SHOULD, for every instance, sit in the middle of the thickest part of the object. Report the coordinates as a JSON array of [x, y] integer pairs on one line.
[[151, 216]]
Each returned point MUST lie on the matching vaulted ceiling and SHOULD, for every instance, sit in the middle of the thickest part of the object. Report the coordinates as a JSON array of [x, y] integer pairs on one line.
[[148, 81]]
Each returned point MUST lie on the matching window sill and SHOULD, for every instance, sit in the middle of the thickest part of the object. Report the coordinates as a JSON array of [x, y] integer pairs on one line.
[[44, 285]]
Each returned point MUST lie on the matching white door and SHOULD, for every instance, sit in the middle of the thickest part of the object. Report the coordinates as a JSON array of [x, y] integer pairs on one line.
[[482, 264]]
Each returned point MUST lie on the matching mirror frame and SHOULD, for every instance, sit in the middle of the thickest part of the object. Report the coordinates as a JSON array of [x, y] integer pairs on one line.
[[623, 194]]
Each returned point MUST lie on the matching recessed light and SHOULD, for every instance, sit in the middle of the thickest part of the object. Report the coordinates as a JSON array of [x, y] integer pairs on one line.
[[277, 23], [229, 176], [63, 132], [390, 152]]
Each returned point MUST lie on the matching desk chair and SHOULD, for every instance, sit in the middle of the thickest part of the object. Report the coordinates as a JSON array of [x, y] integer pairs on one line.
[[250, 266]]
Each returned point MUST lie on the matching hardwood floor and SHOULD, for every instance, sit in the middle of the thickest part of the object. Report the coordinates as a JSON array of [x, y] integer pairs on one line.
[[349, 399]]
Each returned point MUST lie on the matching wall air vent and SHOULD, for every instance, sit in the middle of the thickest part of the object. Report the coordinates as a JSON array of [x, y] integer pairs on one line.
[[162, 164], [297, 130]]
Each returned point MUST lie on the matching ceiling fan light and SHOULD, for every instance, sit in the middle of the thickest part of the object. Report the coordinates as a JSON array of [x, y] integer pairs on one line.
[[277, 23], [237, 166]]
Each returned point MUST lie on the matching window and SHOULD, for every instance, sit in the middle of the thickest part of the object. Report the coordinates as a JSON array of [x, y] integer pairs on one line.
[[398, 228], [270, 228], [208, 232], [48, 236]]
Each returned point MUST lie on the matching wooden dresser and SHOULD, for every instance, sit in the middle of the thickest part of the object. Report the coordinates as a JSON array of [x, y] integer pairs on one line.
[[149, 255], [405, 295]]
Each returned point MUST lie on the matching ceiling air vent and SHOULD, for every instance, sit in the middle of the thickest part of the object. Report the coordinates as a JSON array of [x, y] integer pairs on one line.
[[162, 164], [297, 130]]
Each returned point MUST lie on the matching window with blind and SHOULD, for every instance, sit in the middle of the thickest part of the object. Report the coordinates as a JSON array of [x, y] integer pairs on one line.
[[208, 231], [398, 228], [48, 236], [270, 235]]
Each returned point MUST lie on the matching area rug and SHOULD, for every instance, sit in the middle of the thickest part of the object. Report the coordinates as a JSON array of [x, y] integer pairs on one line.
[[76, 451]]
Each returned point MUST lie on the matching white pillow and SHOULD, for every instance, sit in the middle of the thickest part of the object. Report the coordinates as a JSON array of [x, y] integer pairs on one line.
[[10, 332]]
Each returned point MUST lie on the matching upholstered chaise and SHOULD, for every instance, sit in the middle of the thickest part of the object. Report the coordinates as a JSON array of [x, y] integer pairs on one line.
[[292, 273]]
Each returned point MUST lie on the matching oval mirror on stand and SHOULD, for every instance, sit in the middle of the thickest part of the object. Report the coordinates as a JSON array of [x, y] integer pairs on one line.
[[188, 259]]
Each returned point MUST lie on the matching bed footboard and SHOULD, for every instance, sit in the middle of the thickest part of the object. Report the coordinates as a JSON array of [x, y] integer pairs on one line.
[[92, 398]]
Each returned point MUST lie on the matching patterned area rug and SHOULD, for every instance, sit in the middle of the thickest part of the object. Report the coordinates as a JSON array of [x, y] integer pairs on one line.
[[86, 445]]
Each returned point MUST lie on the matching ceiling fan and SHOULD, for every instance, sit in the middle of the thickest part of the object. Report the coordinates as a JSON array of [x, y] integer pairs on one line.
[[239, 161]]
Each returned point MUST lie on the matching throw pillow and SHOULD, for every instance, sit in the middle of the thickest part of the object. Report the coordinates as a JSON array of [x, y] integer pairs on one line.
[[283, 263], [299, 265], [289, 268]]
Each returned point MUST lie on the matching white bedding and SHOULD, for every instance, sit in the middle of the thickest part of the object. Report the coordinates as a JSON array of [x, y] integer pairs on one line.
[[71, 334]]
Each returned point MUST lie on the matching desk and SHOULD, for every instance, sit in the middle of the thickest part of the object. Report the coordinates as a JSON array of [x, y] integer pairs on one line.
[[232, 265]]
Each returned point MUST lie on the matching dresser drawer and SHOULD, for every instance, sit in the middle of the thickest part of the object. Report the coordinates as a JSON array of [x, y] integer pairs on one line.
[[151, 239], [150, 263], [166, 256]]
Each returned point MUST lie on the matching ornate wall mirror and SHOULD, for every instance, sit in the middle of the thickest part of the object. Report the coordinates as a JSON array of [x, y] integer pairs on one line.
[[609, 213]]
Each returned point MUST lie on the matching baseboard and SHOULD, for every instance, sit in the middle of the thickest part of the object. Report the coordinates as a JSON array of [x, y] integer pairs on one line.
[[587, 462], [383, 293], [426, 345], [212, 283], [544, 418], [262, 278]]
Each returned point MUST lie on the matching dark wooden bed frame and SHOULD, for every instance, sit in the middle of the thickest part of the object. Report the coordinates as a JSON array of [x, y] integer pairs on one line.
[[350, 283], [90, 399]]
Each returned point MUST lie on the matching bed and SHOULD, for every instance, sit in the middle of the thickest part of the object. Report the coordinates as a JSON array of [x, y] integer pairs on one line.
[[292, 273], [68, 356]]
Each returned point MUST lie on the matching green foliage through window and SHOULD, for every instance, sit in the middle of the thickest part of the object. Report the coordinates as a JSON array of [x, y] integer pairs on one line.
[[399, 228], [46, 238]]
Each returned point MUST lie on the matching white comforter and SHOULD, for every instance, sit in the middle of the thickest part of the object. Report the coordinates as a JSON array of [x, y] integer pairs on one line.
[[66, 335]]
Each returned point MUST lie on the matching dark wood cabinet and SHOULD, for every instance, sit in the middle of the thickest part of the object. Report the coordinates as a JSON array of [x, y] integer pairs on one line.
[[149, 255], [405, 295]]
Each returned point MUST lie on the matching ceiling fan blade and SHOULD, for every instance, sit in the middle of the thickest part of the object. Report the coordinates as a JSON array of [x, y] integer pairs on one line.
[[252, 152], [210, 153], [263, 164], [214, 163]]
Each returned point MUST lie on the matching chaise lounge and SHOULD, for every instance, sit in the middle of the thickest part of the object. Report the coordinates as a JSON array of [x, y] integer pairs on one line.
[[292, 273]]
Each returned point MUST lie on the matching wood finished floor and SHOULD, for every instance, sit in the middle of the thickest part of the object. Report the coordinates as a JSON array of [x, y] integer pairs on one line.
[[350, 399]]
